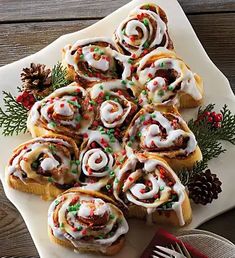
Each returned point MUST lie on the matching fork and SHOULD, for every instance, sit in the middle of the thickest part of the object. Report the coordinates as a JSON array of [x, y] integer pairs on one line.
[[181, 249], [163, 252]]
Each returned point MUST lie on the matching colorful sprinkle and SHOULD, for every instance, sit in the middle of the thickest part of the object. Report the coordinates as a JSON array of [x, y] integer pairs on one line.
[[146, 22]]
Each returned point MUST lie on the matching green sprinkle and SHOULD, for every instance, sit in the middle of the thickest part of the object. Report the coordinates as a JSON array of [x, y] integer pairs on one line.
[[161, 188], [106, 168], [78, 118], [129, 144], [101, 236], [101, 87], [101, 52], [35, 164], [160, 93], [107, 96], [123, 31], [77, 162], [96, 49], [170, 87], [74, 171], [111, 173], [169, 205], [161, 64], [148, 80], [61, 225], [174, 197], [108, 187], [92, 102], [52, 124], [52, 148], [144, 92], [123, 82], [153, 115], [132, 138], [101, 129], [74, 207], [79, 228], [130, 61], [142, 118], [131, 83], [112, 140], [111, 216], [116, 180], [57, 202], [108, 150], [145, 45], [81, 56], [116, 100], [139, 134], [74, 103], [146, 22]]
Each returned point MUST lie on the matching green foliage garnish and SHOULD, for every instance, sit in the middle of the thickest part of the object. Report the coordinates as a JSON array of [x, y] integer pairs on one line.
[[14, 119], [58, 77]]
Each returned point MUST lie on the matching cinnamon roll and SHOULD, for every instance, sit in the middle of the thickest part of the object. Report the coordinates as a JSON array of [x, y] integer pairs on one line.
[[142, 31], [93, 60], [114, 106], [161, 131], [87, 221], [65, 112], [165, 79], [150, 189], [44, 166], [98, 155]]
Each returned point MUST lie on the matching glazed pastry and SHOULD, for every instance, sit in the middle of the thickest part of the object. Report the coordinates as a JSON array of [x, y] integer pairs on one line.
[[98, 155], [114, 106], [87, 221], [142, 31], [65, 111], [93, 60], [150, 189], [167, 79], [44, 166], [161, 131]]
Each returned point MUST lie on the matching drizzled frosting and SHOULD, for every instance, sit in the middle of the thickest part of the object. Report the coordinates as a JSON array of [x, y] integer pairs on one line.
[[141, 31], [45, 159], [165, 76], [150, 183], [157, 131], [115, 105], [95, 60], [61, 112], [86, 221], [97, 159]]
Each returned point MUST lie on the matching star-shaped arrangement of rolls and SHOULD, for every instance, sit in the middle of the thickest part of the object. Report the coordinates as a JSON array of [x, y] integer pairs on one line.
[[107, 147]]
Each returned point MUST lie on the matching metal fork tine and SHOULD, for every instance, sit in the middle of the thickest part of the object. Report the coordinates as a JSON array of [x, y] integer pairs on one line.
[[161, 254], [172, 247], [186, 252], [178, 248], [154, 256]]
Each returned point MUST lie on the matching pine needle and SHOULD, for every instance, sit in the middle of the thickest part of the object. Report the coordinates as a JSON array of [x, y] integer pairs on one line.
[[58, 77]]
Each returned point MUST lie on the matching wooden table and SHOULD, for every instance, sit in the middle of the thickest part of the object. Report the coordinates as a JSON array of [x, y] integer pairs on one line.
[[26, 26]]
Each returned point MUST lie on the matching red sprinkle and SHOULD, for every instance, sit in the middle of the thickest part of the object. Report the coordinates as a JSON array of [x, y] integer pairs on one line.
[[132, 38], [74, 229], [95, 123], [86, 117], [91, 213], [123, 152], [89, 170], [142, 191], [155, 83], [93, 145], [84, 232], [62, 105], [156, 196], [133, 55], [85, 135], [150, 75], [131, 178]]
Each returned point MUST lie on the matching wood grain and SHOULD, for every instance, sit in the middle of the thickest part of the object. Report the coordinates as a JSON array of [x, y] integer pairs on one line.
[[216, 32], [25, 10]]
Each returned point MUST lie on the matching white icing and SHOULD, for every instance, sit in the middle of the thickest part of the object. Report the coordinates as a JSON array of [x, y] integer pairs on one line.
[[150, 173], [130, 25], [49, 164], [88, 204], [157, 88]]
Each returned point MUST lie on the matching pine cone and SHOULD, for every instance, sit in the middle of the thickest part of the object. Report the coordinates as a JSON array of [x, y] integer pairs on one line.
[[37, 80], [204, 187]]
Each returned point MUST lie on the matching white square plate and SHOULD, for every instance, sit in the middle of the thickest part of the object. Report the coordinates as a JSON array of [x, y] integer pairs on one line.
[[217, 90]]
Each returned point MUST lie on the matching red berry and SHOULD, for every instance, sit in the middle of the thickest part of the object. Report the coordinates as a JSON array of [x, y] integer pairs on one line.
[[213, 114], [207, 113], [210, 119], [218, 118], [217, 125]]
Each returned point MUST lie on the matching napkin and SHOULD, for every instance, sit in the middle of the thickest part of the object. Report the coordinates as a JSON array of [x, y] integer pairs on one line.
[[163, 238]]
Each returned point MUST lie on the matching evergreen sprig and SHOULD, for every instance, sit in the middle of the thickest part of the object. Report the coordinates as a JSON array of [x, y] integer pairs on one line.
[[14, 119], [58, 76], [209, 138]]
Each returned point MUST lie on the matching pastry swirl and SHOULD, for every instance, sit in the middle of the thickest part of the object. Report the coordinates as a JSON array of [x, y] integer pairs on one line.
[[142, 31], [45, 166], [87, 221], [114, 105], [161, 130], [63, 112], [165, 79], [149, 187], [93, 60], [98, 156]]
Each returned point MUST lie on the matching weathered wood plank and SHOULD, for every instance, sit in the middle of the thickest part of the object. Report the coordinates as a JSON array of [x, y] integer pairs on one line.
[[18, 10], [216, 32]]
